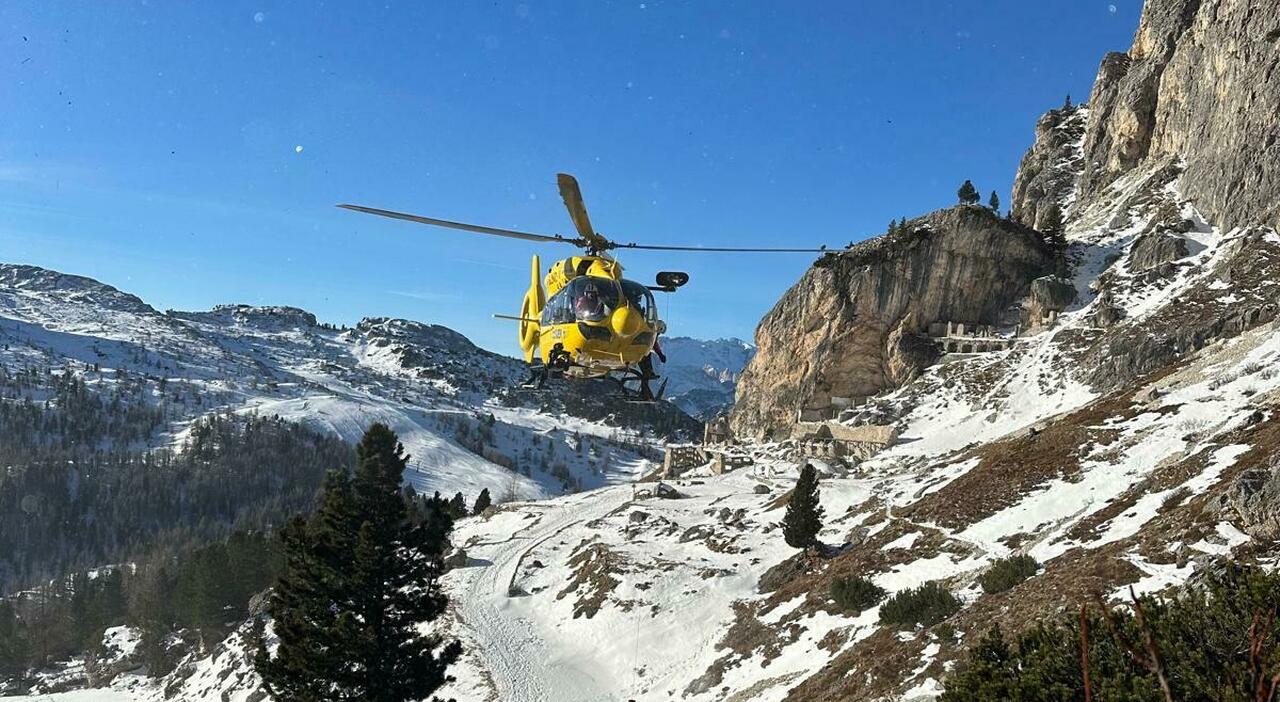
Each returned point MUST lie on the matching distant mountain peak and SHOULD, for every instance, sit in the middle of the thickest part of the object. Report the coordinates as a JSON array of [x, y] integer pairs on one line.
[[34, 279]]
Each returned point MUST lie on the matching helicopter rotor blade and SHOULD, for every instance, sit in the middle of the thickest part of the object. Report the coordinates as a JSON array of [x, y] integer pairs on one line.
[[572, 196], [718, 249], [478, 229]]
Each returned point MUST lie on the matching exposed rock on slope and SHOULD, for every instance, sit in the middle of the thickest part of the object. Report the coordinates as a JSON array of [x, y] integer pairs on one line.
[[855, 323], [1049, 168], [1200, 84]]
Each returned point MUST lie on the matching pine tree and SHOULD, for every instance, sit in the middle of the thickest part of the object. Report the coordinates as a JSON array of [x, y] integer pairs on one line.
[[994, 202], [1052, 226], [13, 647], [803, 519], [1066, 106], [967, 194], [482, 502], [458, 506], [359, 578], [893, 227]]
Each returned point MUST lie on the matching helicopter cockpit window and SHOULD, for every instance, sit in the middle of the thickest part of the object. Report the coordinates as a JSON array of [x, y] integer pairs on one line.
[[640, 298], [558, 310], [593, 298], [587, 298]]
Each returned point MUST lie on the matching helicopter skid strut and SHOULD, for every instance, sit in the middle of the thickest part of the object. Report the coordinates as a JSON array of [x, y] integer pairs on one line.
[[541, 373]]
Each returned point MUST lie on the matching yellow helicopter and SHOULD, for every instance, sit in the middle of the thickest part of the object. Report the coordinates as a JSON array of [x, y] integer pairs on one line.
[[584, 319]]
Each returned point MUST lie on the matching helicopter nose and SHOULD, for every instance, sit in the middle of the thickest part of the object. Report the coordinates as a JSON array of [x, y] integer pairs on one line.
[[626, 321]]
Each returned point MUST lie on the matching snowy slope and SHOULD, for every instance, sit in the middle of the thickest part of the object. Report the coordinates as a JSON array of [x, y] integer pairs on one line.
[[616, 593], [449, 400]]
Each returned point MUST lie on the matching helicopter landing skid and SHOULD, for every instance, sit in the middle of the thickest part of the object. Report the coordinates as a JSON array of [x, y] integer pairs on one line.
[[644, 392]]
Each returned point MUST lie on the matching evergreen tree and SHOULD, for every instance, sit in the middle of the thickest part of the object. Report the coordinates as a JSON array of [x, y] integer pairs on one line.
[[893, 227], [482, 502], [967, 194], [359, 578], [803, 519], [1066, 106], [458, 506], [13, 647], [1051, 220], [1051, 225], [994, 202]]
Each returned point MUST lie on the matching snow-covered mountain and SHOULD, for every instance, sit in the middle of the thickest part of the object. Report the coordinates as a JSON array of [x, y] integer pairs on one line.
[[451, 402], [1126, 436], [702, 375]]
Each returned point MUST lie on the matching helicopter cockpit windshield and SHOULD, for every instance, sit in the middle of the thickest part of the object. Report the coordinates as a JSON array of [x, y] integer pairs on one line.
[[584, 299]]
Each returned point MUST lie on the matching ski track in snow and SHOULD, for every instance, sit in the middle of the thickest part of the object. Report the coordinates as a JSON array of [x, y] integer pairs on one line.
[[522, 668]]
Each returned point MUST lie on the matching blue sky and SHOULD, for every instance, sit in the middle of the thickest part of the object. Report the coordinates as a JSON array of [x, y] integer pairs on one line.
[[154, 145]]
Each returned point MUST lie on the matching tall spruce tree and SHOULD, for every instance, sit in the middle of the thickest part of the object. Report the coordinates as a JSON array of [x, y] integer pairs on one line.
[[482, 502], [803, 520], [458, 506], [967, 194], [359, 577], [1052, 226], [994, 202], [13, 646]]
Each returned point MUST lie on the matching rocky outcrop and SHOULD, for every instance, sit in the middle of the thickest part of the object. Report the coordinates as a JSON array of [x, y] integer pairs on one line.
[[1253, 501], [855, 323], [1199, 85], [1051, 293], [1049, 169], [1199, 315], [1155, 251]]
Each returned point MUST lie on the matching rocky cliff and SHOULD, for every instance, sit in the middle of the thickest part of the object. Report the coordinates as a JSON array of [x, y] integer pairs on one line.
[[1049, 169], [1199, 86], [1189, 109], [857, 322]]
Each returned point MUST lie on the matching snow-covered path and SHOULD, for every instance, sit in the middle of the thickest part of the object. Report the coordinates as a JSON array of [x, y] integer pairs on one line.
[[522, 666]]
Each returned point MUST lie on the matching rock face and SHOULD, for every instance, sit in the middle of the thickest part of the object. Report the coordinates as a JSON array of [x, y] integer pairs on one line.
[[1200, 84], [855, 324], [1254, 499], [1152, 251], [1050, 167]]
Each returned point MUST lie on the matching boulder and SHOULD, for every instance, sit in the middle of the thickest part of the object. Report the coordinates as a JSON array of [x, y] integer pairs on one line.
[[457, 558], [1155, 251], [1253, 502], [1052, 292], [667, 492], [784, 572]]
